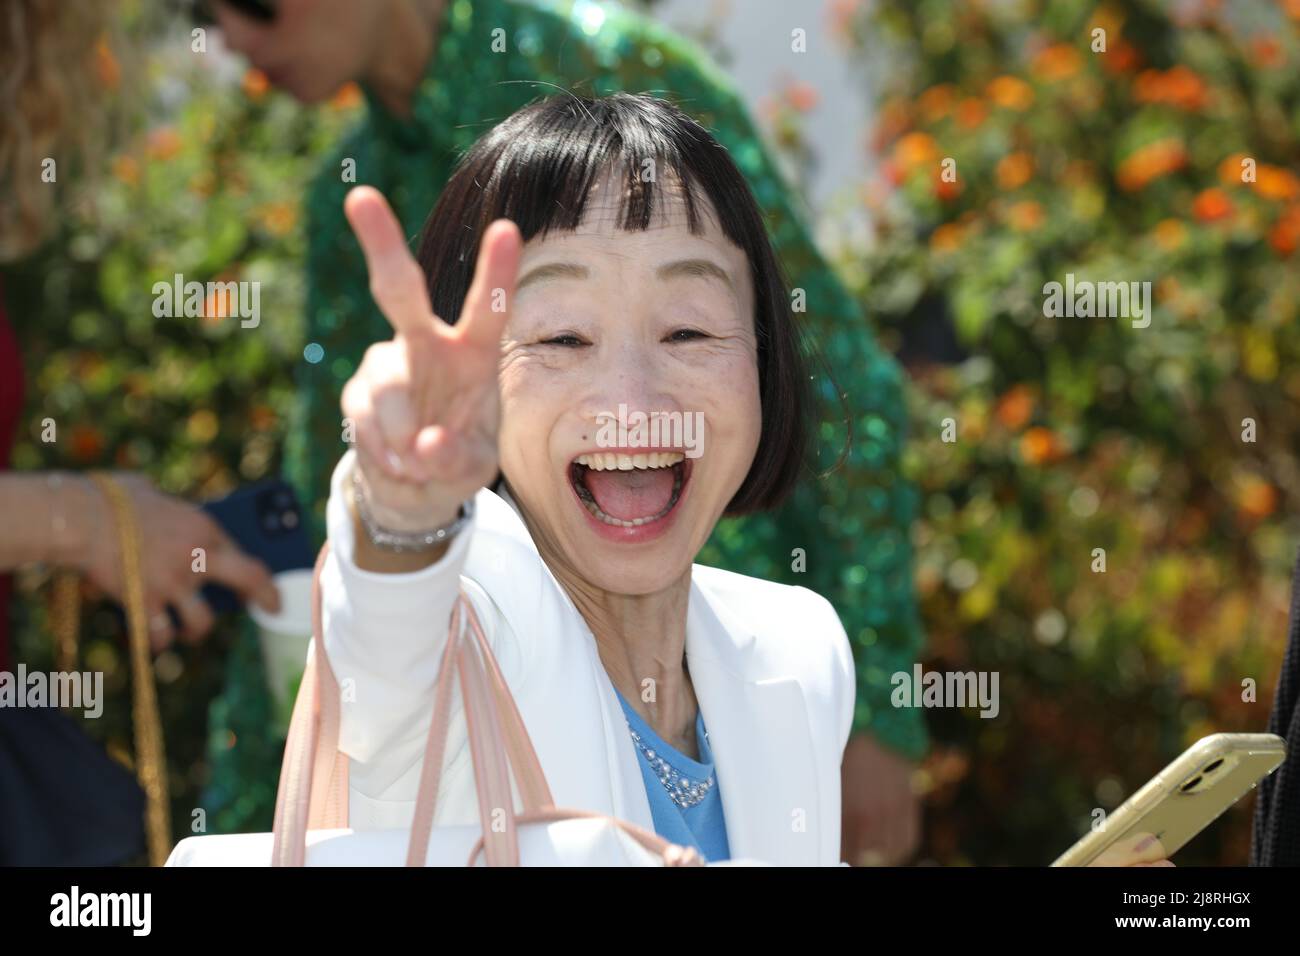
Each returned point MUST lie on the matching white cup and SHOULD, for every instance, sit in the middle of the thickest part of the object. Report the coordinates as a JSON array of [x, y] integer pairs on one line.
[[284, 638]]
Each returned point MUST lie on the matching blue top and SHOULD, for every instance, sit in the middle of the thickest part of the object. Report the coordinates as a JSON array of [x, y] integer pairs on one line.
[[701, 825]]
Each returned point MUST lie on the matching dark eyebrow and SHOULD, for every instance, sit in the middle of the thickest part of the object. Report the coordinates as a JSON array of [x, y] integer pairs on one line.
[[694, 267], [553, 270]]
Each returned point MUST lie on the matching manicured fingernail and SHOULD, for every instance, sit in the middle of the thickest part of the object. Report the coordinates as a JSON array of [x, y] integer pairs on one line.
[[394, 462]]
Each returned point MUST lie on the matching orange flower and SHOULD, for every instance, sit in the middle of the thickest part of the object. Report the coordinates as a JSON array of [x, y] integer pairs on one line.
[[1026, 216], [971, 113], [106, 66], [164, 143], [1267, 51], [1256, 498], [348, 97], [261, 417], [87, 443], [946, 191], [1284, 236], [1178, 87], [1230, 169], [1274, 182], [1040, 446], [1150, 162], [126, 169], [894, 117], [1014, 170], [1211, 205], [936, 102], [219, 306], [255, 84], [1121, 57], [914, 150], [947, 237], [1057, 62], [279, 218], [1010, 93], [801, 96], [892, 173], [1108, 18], [1015, 407], [1170, 234]]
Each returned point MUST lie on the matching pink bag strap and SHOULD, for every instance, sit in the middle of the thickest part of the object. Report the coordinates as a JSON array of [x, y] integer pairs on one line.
[[313, 788], [492, 719]]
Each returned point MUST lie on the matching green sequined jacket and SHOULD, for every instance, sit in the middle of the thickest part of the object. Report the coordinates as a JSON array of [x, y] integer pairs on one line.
[[491, 58]]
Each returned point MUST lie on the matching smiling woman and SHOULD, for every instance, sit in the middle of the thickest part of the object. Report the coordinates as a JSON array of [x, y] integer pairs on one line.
[[587, 255]]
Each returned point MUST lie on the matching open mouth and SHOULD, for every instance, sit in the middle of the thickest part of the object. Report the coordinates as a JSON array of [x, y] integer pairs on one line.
[[629, 490]]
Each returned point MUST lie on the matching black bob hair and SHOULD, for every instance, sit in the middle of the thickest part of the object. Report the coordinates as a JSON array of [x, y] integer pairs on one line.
[[537, 167]]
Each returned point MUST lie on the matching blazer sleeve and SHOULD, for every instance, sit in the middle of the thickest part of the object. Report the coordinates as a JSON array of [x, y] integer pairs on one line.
[[384, 636], [846, 687]]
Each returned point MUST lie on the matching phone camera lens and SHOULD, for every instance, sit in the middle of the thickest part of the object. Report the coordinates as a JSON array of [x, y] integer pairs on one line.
[[289, 519], [271, 521]]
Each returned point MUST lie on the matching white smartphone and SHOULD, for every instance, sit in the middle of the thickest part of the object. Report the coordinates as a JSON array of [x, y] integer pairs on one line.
[[1180, 801]]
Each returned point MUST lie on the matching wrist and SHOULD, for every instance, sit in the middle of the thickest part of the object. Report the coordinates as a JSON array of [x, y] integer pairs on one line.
[[427, 524], [73, 519], [406, 509]]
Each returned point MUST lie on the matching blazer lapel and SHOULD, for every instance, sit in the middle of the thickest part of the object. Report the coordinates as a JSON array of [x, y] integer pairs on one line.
[[757, 724], [761, 740]]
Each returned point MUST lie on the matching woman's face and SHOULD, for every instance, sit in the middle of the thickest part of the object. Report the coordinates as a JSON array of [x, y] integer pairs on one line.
[[629, 389]]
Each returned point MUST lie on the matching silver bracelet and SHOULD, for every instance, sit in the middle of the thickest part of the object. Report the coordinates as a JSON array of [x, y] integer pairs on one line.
[[403, 541]]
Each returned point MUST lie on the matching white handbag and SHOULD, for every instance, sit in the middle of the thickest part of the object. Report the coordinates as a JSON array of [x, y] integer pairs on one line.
[[311, 808]]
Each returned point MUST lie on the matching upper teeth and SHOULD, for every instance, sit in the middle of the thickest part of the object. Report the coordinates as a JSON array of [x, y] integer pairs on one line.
[[611, 462]]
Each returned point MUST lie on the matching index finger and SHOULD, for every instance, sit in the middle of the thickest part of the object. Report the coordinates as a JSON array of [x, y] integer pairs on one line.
[[397, 282], [490, 297]]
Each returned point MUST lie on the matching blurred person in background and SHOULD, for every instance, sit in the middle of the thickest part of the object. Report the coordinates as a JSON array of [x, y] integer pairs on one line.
[[64, 801], [435, 75]]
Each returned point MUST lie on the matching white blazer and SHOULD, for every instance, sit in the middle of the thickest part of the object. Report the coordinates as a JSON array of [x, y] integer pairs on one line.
[[770, 665]]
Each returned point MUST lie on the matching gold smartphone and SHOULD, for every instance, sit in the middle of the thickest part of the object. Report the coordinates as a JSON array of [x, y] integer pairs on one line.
[[1180, 801]]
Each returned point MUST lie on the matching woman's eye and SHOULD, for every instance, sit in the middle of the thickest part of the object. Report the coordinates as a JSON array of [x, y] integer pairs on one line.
[[686, 335], [566, 339]]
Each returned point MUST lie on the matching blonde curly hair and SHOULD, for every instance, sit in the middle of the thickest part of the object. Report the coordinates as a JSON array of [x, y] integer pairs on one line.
[[58, 73]]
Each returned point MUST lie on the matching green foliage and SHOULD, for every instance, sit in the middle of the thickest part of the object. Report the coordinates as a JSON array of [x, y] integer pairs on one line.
[[209, 189], [1075, 434]]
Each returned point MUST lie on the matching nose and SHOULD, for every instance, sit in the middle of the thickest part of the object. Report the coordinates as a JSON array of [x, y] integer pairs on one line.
[[629, 374]]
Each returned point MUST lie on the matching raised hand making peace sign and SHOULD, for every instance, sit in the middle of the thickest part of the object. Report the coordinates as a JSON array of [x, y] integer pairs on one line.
[[424, 406]]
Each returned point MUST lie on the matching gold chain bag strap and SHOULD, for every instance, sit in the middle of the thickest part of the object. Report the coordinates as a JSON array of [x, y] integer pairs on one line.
[[150, 756]]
